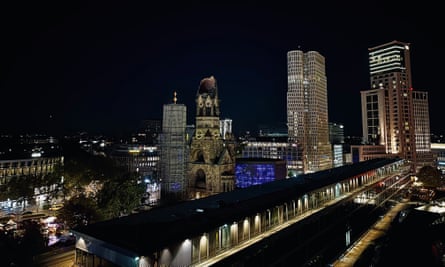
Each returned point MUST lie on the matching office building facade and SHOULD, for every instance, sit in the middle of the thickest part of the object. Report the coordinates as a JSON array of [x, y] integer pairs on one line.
[[142, 160], [307, 108], [424, 155], [337, 140], [275, 148], [38, 167], [374, 117], [389, 108]]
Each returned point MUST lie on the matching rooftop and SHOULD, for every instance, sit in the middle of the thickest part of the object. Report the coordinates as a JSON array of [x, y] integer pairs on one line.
[[158, 227]]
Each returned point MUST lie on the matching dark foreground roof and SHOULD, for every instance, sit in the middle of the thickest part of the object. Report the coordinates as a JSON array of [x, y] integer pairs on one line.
[[153, 230]]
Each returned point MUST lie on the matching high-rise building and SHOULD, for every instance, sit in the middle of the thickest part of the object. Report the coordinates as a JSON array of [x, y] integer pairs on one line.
[[307, 108], [225, 128], [211, 167], [390, 107], [337, 140], [374, 117], [336, 133], [422, 129], [390, 69], [173, 152]]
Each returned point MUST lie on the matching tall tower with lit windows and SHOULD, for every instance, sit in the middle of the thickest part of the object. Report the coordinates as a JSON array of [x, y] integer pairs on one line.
[[390, 107], [307, 109], [424, 155]]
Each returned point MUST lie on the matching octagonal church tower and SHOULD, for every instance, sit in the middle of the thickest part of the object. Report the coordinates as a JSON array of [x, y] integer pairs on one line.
[[211, 166]]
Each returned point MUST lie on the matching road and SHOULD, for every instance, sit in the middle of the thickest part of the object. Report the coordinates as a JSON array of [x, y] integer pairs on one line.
[[62, 257]]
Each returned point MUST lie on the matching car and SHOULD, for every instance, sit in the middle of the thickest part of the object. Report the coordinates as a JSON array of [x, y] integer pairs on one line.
[[56, 207], [27, 212]]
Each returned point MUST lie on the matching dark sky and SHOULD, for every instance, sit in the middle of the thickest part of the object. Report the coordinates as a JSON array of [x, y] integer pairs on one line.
[[103, 66]]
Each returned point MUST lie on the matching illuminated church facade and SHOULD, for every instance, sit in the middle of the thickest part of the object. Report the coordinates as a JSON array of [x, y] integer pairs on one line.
[[211, 166]]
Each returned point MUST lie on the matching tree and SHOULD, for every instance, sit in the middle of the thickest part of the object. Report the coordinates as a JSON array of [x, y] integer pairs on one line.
[[31, 244], [430, 176], [120, 196], [22, 187], [78, 211], [118, 190], [81, 168], [4, 194]]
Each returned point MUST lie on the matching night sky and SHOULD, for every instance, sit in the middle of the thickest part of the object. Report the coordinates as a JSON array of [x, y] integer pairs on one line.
[[103, 67]]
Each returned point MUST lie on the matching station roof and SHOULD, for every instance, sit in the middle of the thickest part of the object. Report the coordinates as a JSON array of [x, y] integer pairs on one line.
[[159, 227]]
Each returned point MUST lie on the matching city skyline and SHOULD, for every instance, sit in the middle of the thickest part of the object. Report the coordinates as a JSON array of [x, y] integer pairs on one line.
[[104, 67]]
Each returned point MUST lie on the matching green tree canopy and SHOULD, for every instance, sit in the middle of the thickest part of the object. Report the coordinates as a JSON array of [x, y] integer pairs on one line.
[[78, 211], [119, 191], [80, 168], [21, 187], [120, 196], [430, 176]]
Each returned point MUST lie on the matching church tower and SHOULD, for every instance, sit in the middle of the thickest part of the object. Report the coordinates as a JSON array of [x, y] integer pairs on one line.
[[211, 164]]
